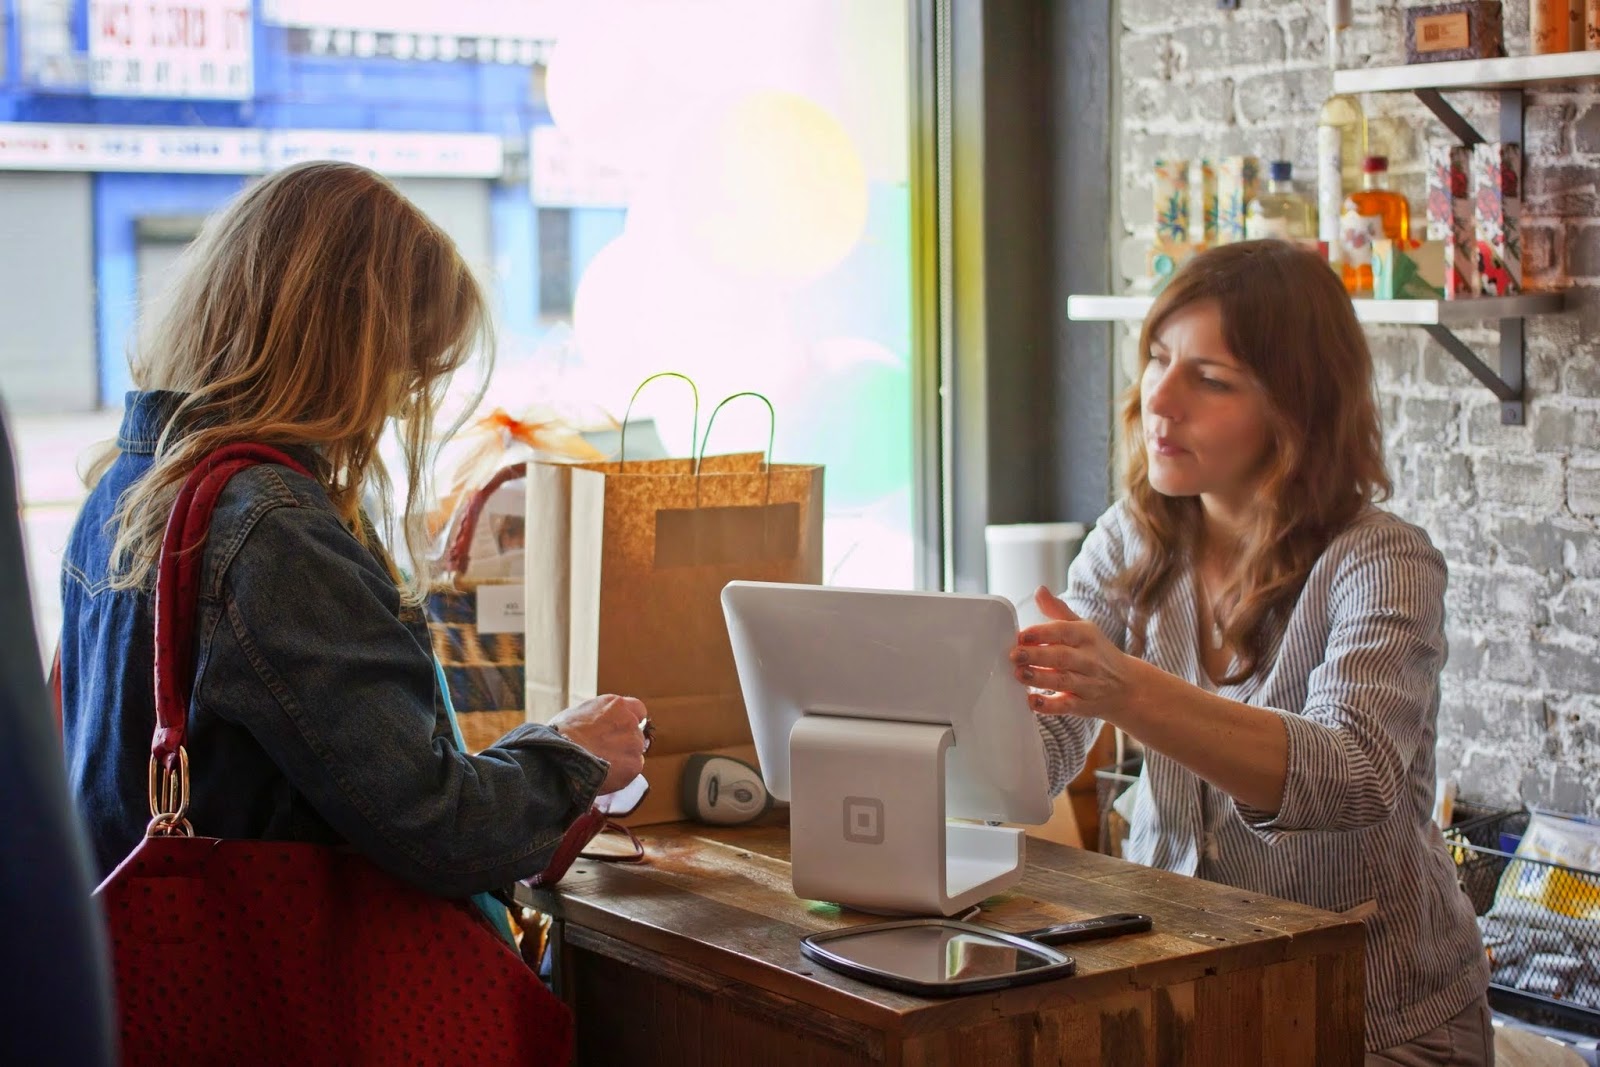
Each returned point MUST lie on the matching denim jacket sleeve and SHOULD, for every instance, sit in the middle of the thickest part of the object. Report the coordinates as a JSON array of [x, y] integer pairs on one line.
[[308, 651]]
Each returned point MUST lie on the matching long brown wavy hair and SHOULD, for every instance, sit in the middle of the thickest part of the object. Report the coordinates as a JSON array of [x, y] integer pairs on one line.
[[1287, 319], [314, 308]]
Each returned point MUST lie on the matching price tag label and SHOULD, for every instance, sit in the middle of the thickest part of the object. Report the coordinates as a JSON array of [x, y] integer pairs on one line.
[[500, 609]]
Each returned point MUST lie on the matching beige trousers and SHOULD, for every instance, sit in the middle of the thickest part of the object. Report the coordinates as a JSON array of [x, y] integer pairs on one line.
[[1465, 1041]]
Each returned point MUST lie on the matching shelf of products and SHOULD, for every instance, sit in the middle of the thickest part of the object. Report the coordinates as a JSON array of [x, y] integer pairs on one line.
[[1511, 72], [1385, 312], [1508, 77], [1437, 317]]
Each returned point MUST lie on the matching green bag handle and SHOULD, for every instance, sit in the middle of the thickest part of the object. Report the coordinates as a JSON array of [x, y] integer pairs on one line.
[[694, 428], [772, 435]]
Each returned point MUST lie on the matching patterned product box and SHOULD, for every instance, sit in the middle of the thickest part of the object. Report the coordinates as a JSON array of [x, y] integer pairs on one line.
[[1408, 270], [1238, 180], [1202, 203], [1162, 263], [1169, 194], [1170, 197], [1497, 216], [1450, 216]]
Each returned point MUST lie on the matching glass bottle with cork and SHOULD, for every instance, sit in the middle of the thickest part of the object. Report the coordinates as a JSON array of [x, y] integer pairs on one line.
[[1279, 211], [1372, 213]]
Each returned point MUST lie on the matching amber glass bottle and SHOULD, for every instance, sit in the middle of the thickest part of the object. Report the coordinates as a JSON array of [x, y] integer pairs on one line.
[[1373, 212]]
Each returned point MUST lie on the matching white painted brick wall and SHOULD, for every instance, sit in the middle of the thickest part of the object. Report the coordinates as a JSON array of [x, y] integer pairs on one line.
[[1516, 510]]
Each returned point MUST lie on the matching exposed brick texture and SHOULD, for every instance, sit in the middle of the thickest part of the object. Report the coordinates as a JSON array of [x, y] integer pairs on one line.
[[1516, 510]]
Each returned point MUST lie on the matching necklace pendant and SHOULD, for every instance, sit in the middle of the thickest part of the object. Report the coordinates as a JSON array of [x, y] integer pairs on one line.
[[1216, 637]]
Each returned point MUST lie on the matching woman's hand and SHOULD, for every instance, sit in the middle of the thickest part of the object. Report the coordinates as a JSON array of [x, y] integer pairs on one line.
[[611, 728], [1242, 750], [1081, 672]]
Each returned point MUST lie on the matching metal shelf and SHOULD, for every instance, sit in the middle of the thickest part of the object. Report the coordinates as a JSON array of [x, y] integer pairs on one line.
[[1511, 72], [1435, 316], [1507, 77]]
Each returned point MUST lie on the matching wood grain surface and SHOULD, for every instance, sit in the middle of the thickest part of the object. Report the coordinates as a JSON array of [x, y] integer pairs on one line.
[[693, 957]]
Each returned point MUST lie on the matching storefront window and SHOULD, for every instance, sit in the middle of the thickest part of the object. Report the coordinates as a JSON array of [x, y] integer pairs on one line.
[[708, 186]]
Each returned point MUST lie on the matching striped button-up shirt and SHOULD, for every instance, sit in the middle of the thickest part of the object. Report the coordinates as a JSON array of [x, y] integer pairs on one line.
[[1355, 677]]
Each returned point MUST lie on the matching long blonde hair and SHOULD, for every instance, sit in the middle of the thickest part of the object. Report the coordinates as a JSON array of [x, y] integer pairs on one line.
[[315, 307], [1287, 319]]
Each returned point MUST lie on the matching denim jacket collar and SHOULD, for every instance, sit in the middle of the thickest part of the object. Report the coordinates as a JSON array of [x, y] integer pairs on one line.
[[146, 415]]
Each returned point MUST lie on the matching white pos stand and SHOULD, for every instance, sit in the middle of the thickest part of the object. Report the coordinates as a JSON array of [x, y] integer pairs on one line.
[[881, 717]]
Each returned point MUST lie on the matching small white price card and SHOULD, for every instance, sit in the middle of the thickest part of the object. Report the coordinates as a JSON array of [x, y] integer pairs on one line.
[[500, 609]]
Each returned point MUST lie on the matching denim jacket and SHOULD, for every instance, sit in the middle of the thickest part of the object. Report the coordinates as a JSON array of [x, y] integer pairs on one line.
[[316, 715]]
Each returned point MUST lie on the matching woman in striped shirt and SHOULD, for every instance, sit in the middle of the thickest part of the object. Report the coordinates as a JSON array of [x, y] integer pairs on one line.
[[1272, 638]]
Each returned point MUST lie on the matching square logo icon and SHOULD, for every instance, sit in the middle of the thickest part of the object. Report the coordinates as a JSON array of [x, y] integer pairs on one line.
[[863, 820]]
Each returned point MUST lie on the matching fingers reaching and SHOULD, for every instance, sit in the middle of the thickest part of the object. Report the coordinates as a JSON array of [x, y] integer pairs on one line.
[[1055, 704], [1053, 606]]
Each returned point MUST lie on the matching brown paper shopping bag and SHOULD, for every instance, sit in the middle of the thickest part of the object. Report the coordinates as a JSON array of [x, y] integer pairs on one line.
[[546, 597], [548, 573], [651, 545], [548, 576]]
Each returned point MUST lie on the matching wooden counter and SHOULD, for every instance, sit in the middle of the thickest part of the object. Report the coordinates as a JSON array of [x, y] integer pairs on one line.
[[693, 957]]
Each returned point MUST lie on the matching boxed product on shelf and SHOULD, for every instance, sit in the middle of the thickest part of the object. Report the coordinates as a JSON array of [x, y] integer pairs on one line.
[[1202, 203], [1469, 29], [1238, 182], [1408, 270], [1170, 197], [1497, 216], [1169, 194], [1450, 217], [1161, 263]]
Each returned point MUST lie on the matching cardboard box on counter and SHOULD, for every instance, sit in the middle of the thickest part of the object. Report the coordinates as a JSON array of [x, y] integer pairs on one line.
[[1497, 216]]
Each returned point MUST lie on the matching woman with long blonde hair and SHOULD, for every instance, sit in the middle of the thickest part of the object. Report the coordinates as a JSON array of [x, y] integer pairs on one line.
[[319, 306], [1272, 637]]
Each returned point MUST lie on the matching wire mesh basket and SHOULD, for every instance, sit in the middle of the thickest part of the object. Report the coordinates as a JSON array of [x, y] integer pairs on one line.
[[1538, 923]]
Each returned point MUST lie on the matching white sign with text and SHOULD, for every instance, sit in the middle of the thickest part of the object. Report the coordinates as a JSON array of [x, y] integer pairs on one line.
[[191, 49], [213, 150], [501, 608]]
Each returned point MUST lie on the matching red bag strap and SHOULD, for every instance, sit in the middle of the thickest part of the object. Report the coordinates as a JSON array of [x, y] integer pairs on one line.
[[458, 555], [178, 588], [55, 690]]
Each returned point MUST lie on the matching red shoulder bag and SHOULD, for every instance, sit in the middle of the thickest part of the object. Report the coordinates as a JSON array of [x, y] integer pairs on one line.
[[229, 951]]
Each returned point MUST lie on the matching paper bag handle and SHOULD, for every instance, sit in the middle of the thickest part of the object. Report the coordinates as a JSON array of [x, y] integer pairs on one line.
[[772, 434], [694, 427]]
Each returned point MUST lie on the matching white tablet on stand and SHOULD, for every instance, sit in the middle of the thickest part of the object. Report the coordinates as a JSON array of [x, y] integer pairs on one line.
[[881, 717]]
